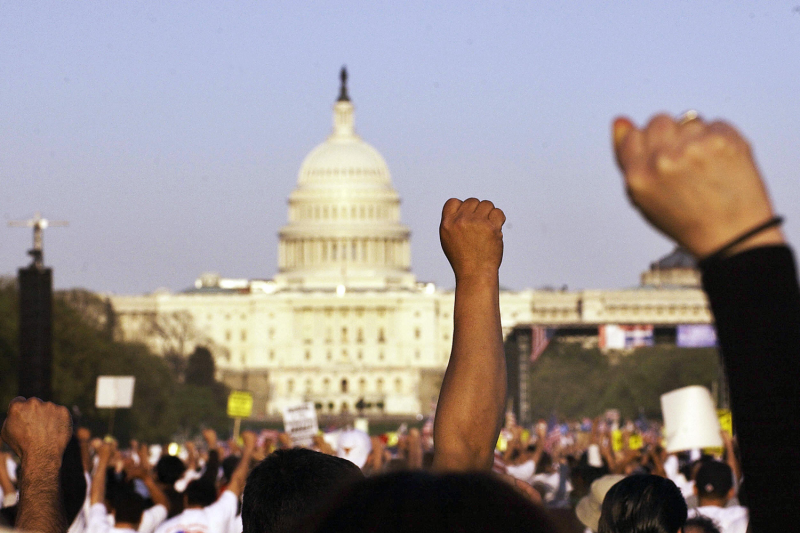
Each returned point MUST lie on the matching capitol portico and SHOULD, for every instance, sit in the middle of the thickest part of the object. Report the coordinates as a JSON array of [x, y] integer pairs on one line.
[[344, 323]]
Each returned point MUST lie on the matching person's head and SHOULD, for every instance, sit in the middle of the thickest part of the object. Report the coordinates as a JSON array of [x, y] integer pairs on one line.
[[700, 524], [288, 485], [127, 505], [414, 501], [169, 469], [229, 464], [199, 493], [643, 504], [545, 463], [714, 483], [589, 506]]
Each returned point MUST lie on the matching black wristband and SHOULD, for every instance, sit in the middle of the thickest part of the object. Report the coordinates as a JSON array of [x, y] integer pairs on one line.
[[719, 254]]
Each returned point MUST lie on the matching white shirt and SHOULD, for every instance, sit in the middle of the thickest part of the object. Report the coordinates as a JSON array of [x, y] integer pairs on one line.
[[99, 522], [236, 525], [523, 471], [732, 519], [216, 518], [152, 518]]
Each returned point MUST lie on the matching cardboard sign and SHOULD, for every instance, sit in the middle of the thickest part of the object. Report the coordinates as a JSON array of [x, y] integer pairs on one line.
[[240, 404], [725, 420], [616, 440], [300, 422], [114, 392], [690, 419]]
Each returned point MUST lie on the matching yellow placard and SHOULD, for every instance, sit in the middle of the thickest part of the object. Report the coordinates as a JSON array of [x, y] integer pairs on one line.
[[725, 420], [616, 440], [502, 443], [635, 442], [240, 404]]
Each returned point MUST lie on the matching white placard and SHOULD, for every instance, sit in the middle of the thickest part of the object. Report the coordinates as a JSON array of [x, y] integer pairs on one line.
[[114, 392], [300, 422], [690, 419]]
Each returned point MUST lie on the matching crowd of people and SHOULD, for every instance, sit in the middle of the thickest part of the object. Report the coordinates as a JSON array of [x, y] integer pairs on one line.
[[696, 182]]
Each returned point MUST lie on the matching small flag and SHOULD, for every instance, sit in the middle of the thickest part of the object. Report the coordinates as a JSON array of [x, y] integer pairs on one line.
[[540, 339]]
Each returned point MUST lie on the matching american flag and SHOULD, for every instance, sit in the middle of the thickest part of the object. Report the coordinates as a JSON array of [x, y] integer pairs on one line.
[[540, 338]]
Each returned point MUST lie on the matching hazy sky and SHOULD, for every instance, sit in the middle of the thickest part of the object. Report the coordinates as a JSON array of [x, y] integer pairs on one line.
[[170, 134]]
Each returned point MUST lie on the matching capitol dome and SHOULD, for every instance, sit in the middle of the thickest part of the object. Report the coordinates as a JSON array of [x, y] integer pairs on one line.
[[344, 225]]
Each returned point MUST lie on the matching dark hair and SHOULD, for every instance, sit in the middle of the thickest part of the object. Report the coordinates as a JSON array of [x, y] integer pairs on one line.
[[714, 480], [544, 463], [704, 524], [72, 481], [200, 492], [415, 501], [229, 464], [169, 469], [289, 485], [128, 505], [643, 504]]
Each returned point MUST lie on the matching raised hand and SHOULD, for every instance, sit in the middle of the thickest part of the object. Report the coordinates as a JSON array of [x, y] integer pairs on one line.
[[472, 398], [472, 237], [34, 427], [695, 182]]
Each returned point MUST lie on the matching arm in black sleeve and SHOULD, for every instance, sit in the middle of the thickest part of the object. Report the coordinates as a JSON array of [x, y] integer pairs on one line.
[[212, 468], [755, 299]]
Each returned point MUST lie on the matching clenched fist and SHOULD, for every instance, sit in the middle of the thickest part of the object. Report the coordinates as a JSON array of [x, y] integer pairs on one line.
[[696, 182], [472, 237], [37, 429]]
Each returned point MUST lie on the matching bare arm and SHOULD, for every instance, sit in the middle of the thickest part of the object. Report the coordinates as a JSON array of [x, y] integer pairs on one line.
[[145, 472], [471, 401], [98, 491], [239, 475], [5, 480], [38, 432], [212, 464], [541, 436], [730, 456], [84, 437]]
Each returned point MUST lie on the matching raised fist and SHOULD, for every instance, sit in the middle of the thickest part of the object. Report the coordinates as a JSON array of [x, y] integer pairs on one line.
[[695, 182], [34, 427], [472, 237]]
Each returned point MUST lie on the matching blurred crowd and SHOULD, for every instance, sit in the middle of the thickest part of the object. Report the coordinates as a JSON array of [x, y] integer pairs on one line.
[[473, 468]]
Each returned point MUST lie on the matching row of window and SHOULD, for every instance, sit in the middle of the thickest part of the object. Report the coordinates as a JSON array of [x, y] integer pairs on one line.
[[334, 212], [301, 252], [329, 338], [344, 386]]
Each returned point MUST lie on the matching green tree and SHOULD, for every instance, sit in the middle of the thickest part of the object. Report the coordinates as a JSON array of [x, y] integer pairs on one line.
[[573, 381], [83, 349]]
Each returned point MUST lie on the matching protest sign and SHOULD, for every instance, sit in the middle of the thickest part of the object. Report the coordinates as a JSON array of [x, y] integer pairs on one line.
[[240, 404], [114, 392], [635, 442], [300, 422], [690, 419], [725, 420]]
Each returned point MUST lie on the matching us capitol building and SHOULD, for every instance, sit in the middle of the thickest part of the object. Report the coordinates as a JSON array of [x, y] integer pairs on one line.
[[345, 324]]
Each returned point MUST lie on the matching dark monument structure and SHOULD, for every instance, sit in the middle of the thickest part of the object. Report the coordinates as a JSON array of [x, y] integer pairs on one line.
[[36, 317]]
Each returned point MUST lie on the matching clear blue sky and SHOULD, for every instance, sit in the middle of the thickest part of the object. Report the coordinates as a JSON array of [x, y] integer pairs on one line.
[[170, 134]]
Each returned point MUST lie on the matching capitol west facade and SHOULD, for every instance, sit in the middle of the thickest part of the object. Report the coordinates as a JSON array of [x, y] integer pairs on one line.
[[344, 323]]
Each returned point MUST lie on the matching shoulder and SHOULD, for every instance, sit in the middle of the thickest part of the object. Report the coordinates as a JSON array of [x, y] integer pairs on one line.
[[224, 508]]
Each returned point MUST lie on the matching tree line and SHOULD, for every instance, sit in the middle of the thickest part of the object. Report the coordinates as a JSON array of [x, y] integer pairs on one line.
[[174, 396]]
